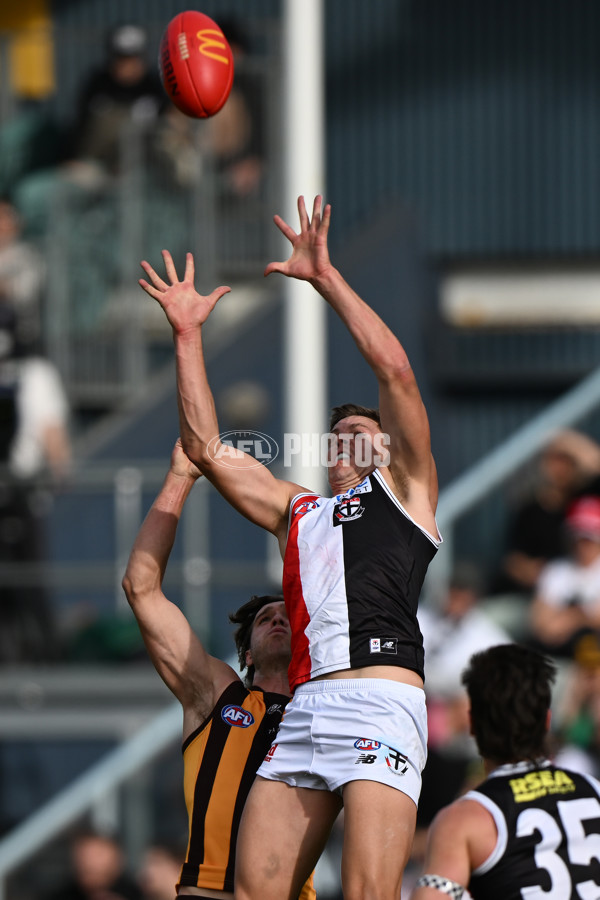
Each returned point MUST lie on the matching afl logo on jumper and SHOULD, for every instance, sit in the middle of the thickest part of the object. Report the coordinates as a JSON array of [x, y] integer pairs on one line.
[[235, 715], [347, 511]]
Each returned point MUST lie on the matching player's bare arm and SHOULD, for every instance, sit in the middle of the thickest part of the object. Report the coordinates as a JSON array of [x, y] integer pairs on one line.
[[194, 677], [461, 838], [251, 489], [403, 413]]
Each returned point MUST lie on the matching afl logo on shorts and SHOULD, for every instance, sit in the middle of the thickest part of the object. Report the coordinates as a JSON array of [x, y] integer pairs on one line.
[[235, 715], [347, 511], [366, 744]]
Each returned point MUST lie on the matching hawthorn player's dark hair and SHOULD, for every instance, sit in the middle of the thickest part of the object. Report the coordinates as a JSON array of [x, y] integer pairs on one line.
[[510, 689], [352, 409], [244, 618]]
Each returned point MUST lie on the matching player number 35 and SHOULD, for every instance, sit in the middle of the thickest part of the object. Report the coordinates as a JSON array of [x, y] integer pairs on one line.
[[582, 848]]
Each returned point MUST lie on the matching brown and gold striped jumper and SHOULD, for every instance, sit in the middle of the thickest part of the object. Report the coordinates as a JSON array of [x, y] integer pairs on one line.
[[220, 761]]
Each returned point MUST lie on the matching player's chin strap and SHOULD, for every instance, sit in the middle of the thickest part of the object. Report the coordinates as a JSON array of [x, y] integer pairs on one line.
[[443, 885]]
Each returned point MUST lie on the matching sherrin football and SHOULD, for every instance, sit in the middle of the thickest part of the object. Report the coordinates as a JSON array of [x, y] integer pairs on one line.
[[196, 64]]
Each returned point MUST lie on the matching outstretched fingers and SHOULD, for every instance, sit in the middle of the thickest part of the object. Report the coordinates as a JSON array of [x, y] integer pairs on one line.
[[153, 276], [325, 221], [170, 267], [285, 229], [304, 220], [316, 213], [275, 267], [189, 273], [156, 286], [152, 291], [218, 293]]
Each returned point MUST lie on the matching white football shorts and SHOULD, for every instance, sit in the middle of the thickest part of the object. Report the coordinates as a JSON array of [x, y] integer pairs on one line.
[[337, 730]]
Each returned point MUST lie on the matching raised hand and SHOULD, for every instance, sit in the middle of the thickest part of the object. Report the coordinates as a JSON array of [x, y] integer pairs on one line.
[[184, 307], [310, 255], [181, 464]]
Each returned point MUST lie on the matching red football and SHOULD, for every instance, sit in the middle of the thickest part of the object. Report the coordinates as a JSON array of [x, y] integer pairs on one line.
[[196, 64]]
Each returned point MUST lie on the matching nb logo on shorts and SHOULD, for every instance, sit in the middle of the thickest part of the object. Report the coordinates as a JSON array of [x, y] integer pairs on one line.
[[366, 758]]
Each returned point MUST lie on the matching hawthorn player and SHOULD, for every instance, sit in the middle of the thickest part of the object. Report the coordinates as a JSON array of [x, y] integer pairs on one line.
[[228, 725]]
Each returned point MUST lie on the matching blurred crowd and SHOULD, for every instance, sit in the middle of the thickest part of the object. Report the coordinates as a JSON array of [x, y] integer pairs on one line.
[[122, 99], [61, 210], [97, 868]]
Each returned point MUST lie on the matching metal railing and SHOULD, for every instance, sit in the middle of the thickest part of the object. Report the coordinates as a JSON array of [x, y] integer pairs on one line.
[[125, 483], [480, 480], [88, 790], [101, 330]]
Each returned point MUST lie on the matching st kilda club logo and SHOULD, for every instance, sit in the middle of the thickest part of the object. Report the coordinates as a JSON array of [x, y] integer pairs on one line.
[[348, 510]]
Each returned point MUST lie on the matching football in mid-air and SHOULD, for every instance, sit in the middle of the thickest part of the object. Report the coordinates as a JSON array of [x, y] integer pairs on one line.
[[196, 64]]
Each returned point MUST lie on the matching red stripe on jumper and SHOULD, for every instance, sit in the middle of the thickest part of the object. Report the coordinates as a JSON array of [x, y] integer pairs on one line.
[[300, 667]]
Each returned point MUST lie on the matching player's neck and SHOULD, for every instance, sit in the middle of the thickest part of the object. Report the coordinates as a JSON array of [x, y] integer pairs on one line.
[[489, 765], [342, 482], [275, 682]]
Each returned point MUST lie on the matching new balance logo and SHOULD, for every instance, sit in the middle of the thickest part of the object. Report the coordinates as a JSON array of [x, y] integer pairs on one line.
[[383, 645], [366, 758]]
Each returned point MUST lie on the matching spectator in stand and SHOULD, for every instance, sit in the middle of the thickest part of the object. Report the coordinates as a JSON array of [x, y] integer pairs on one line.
[[237, 135], [455, 630], [21, 275], [98, 871], [124, 90], [160, 870], [35, 455], [452, 632], [566, 607], [576, 718], [535, 533]]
